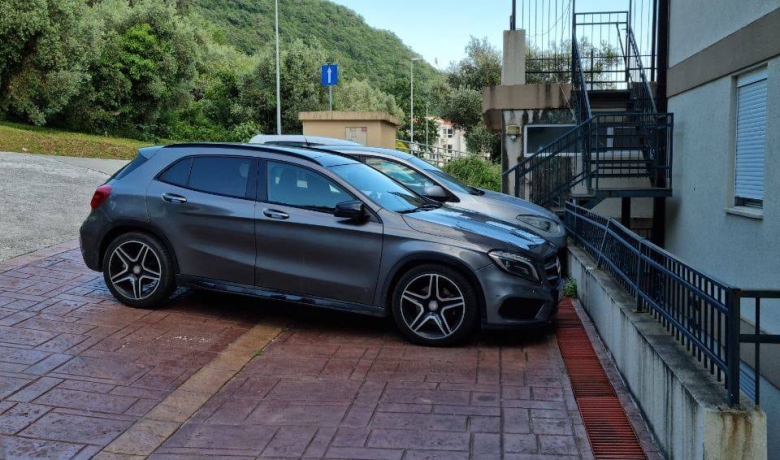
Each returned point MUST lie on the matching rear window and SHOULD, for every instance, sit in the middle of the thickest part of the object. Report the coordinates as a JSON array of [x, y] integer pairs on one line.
[[130, 167]]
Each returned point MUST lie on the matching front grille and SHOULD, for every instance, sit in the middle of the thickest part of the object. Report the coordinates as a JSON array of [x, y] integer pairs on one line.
[[552, 270]]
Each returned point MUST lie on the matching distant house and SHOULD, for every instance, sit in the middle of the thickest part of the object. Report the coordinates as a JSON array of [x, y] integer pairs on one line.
[[450, 138]]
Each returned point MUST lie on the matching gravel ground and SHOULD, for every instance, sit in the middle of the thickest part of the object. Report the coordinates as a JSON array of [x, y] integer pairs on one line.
[[44, 199]]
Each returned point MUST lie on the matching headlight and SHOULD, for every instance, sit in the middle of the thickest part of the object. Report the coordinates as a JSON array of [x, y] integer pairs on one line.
[[515, 264], [542, 223]]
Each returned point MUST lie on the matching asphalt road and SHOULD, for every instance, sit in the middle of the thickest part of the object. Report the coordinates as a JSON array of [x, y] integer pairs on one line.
[[44, 199]]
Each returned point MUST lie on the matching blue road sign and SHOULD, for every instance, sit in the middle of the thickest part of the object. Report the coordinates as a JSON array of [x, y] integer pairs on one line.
[[330, 75]]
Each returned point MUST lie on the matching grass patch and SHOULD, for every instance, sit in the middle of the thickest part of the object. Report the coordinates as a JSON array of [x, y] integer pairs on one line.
[[20, 138], [260, 352]]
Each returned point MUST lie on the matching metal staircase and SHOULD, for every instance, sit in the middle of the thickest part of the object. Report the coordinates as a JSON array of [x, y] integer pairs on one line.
[[621, 146]]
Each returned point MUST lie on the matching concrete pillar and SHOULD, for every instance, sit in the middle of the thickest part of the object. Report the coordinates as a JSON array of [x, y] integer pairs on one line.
[[513, 70]]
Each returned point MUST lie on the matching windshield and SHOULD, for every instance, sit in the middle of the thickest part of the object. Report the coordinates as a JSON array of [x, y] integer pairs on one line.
[[379, 188], [451, 182], [454, 183]]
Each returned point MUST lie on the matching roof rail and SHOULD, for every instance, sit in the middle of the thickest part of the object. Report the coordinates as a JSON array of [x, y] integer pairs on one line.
[[301, 153]]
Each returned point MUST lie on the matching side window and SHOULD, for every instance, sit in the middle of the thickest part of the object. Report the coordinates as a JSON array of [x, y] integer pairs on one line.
[[295, 186], [403, 174], [227, 176], [178, 173]]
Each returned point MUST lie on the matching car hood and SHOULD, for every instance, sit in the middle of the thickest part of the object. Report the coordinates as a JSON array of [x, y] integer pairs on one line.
[[491, 198], [456, 223]]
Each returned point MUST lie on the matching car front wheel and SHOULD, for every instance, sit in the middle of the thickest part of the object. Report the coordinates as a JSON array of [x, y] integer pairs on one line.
[[434, 305], [138, 270]]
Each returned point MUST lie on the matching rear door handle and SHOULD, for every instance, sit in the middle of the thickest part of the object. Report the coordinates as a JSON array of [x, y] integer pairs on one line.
[[274, 214], [173, 198]]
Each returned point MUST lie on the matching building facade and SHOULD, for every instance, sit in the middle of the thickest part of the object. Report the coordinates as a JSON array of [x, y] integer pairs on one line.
[[723, 86]]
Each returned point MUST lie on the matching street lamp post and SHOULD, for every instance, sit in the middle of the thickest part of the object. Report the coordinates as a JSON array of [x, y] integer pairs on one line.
[[411, 117], [278, 78]]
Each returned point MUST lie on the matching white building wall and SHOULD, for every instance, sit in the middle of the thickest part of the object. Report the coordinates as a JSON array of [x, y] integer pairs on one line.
[[697, 24], [701, 226]]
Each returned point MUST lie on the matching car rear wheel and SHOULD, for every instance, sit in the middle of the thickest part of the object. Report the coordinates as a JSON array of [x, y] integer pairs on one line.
[[434, 305], [138, 270]]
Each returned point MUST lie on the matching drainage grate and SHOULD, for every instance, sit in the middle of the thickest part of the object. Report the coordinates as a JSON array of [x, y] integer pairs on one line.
[[610, 432]]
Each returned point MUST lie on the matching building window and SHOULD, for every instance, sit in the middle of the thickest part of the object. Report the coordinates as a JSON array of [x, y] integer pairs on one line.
[[750, 139], [450, 132]]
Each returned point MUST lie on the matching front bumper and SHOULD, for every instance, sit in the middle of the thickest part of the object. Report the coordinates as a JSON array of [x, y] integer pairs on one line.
[[511, 301]]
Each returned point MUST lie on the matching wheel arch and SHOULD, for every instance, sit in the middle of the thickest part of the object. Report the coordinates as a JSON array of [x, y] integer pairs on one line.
[[121, 227], [416, 260]]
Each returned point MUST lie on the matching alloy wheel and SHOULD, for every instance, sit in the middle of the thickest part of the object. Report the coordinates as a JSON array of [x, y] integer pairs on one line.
[[433, 306], [135, 270]]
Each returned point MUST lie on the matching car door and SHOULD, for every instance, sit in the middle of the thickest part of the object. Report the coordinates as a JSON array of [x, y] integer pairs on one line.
[[206, 207], [303, 248]]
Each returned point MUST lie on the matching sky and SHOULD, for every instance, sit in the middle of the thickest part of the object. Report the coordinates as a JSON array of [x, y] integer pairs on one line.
[[440, 29]]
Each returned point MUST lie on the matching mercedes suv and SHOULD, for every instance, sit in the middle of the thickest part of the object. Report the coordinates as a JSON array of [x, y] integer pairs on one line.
[[313, 228]]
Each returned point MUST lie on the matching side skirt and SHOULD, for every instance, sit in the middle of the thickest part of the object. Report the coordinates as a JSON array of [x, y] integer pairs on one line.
[[270, 294]]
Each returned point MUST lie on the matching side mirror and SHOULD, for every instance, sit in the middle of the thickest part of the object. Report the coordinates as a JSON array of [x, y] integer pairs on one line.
[[435, 192], [353, 210]]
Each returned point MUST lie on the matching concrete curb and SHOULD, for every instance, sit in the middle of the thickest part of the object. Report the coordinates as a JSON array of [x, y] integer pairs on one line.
[[163, 420]]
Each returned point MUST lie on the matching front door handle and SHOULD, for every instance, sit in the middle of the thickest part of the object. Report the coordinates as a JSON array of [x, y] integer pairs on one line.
[[274, 214], [173, 198]]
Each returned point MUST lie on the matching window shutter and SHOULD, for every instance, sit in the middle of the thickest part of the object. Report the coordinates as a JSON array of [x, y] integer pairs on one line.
[[751, 140]]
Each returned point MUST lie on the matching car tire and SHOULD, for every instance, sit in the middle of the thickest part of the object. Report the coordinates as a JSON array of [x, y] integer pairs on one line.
[[434, 305], [139, 270]]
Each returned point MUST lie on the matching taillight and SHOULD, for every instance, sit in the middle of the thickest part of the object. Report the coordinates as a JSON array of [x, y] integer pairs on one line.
[[100, 196]]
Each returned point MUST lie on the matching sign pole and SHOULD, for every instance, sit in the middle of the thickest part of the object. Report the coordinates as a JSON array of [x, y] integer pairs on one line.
[[330, 98]]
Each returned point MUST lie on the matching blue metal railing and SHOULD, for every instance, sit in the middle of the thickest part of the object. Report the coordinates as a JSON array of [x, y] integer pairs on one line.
[[606, 145], [701, 312]]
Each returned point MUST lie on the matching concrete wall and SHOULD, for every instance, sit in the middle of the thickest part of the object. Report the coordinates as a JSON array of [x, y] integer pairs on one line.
[[381, 129], [679, 399], [697, 24]]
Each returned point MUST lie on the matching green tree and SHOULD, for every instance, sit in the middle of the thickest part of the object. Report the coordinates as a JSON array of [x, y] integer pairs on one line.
[[359, 95], [479, 69], [463, 104], [464, 107], [45, 48], [301, 90], [146, 68], [554, 64]]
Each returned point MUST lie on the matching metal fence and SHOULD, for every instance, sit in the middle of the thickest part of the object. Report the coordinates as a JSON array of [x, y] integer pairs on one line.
[[551, 24], [701, 312]]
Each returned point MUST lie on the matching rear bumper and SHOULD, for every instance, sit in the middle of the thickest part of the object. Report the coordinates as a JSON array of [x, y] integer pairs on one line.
[[90, 238], [511, 302]]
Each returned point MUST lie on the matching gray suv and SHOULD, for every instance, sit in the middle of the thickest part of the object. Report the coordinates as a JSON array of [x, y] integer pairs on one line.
[[317, 229], [426, 179]]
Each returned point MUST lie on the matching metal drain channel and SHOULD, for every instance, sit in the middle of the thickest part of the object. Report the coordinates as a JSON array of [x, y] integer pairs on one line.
[[610, 432]]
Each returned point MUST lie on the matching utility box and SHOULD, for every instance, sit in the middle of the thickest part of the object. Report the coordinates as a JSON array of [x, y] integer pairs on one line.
[[373, 129]]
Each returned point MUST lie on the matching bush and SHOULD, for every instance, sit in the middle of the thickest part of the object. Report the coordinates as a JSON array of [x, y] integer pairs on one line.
[[570, 288], [476, 172]]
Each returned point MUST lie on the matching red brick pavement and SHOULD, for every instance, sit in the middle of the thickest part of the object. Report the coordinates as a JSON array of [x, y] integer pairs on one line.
[[77, 369], [338, 386]]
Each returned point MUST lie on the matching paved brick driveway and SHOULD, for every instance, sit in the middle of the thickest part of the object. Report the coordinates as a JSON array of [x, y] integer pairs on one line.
[[77, 369], [82, 376], [355, 390]]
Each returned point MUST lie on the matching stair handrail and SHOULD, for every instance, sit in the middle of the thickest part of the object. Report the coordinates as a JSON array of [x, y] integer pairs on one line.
[[644, 83], [578, 85]]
